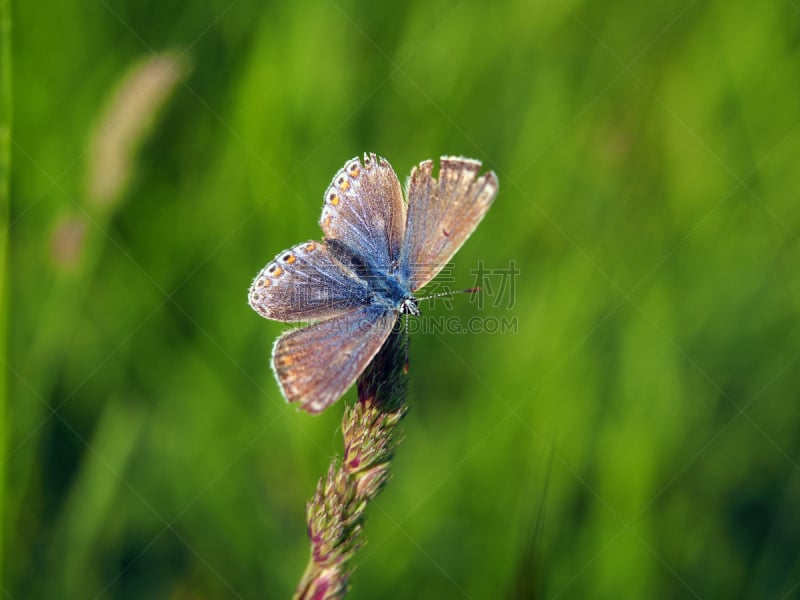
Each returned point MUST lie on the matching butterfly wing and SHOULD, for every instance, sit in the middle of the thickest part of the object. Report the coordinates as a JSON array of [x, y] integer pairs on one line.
[[364, 208], [305, 283], [442, 213], [316, 365]]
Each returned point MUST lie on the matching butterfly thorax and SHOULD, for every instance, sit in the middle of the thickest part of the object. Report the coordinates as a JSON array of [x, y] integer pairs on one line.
[[382, 288]]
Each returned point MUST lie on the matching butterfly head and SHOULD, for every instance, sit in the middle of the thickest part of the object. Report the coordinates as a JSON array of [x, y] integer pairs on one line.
[[409, 307]]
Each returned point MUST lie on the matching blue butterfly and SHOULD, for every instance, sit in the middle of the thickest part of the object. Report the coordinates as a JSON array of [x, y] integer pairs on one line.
[[354, 285]]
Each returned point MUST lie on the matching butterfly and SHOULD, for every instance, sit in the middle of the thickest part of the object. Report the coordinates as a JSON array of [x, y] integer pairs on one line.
[[353, 286]]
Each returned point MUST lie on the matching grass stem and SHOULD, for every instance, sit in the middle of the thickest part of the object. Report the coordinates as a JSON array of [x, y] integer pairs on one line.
[[335, 514]]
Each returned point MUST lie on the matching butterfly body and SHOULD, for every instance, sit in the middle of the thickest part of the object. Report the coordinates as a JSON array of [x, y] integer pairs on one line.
[[353, 286], [382, 286]]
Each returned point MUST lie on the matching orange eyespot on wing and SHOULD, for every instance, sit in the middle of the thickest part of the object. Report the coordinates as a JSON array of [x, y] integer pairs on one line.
[[364, 208], [306, 283], [315, 365]]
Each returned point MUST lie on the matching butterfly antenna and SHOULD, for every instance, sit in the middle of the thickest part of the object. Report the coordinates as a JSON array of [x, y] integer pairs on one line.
[[474, 290]]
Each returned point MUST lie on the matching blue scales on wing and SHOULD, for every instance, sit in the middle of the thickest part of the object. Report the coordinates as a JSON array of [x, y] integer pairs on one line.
[[364, 208], [305, 283]]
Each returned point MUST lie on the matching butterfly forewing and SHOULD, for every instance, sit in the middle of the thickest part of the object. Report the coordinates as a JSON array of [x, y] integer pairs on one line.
[[305, 283], [442, 213], [315, 365], [364, 208]]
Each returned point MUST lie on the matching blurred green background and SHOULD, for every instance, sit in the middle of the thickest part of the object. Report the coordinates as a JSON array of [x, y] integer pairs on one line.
[[637, 436]]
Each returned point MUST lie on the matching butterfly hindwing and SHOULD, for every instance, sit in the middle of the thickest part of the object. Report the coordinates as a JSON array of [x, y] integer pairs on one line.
[[364, 208], [317, 364], [442, 213], [305, 283]]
